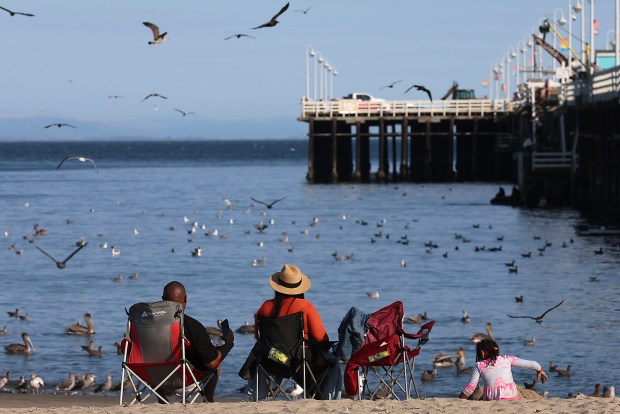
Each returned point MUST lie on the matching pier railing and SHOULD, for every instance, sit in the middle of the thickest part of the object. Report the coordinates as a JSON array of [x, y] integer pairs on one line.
[[465, 108], [602, 86], [552, 160]]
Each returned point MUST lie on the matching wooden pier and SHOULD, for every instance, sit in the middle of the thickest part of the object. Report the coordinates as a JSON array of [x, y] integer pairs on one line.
[[421, 141], [561, 148]]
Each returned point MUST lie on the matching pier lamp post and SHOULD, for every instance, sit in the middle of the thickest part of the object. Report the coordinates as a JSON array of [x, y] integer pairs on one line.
[[508, 70], [522, 47], [591, 58], [502, 74], [310, 53], [611, 42], [331, 82], [514, 55], [578, 8], [616, 45], [328, 68], [320, 60], [561, 21]]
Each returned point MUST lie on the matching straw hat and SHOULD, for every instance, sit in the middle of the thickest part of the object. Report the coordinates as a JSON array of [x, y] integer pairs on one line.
[[289, 281]]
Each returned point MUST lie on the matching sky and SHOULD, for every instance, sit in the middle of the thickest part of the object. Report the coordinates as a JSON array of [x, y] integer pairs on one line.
[[62, 64]]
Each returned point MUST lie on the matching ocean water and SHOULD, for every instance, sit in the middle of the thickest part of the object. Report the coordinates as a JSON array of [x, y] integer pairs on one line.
[[149, 188]]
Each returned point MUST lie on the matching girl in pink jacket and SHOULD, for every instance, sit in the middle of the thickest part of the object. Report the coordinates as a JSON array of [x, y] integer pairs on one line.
[[496, 373]]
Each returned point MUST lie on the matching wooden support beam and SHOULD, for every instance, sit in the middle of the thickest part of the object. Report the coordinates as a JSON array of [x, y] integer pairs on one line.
[[334, 176], [310, 173], [357, 175], [381, 174], [428, 155], [404, 159]]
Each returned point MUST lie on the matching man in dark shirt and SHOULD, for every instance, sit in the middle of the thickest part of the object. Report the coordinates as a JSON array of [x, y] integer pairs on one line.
[[202, 354]]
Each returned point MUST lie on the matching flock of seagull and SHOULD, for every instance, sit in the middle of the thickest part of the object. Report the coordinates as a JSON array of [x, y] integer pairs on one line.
[[378, 235]]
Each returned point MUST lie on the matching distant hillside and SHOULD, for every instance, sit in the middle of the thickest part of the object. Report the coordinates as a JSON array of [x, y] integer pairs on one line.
[[165, 127]]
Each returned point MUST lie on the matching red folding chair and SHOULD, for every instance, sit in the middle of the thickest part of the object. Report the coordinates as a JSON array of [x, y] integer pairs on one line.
[[154, 355], [385, 354]]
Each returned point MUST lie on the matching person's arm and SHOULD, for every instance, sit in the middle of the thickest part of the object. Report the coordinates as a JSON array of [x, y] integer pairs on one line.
[[315, 328], [222, 351], [471, 385], [524, 363]]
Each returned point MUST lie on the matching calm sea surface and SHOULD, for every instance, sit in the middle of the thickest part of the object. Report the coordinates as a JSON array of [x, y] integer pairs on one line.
[[148, 189]]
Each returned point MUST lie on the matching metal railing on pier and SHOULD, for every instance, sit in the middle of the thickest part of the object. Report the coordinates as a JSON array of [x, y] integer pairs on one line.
[[351, 108]]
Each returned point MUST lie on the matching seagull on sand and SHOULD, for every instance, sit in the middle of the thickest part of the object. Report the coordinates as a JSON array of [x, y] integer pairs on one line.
[[12, 13], [61, 264], [273, 20], [423, 89], [152, 95], [538, 319], [239, 36], [80, 159], [184, 113], [157, 38], [268, 205], [391, 85], [59, 125]]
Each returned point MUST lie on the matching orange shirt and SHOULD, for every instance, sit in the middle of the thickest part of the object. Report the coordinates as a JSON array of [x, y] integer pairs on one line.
[[313, 325]]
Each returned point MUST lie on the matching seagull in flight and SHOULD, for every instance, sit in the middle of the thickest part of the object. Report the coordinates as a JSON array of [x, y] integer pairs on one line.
[[303, 11], [12, 13], [61, 264], [157, 38], [115, 97], [391, 85], [153, 95], [59, 125], [538, 319], [423, 89], [80, 159], [184, 113], [268, 205], [239, 36], [273, 20]]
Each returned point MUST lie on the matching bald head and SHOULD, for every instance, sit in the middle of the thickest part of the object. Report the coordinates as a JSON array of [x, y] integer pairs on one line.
[[175, 291]]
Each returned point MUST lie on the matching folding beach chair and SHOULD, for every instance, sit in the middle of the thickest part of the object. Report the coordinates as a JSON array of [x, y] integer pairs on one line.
[[279, 357], [385, 356], [154, 350]]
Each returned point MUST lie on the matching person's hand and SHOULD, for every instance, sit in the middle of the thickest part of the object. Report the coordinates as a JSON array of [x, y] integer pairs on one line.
[[541, 376], [230, 338]]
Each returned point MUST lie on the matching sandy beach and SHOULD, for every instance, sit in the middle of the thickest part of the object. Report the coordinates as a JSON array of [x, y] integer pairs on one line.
[[79, 404]]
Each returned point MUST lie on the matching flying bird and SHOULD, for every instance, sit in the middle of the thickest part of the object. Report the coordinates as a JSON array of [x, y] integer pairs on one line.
[[59, 125], [12, 13], [273, 20], [423, 89], [62, 264], [184, 113], [80, 159], [239, 36], [153, 95], [303, 11], [157, 38], [115, 97], [268, 205], [538, 319], [391, 85]]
